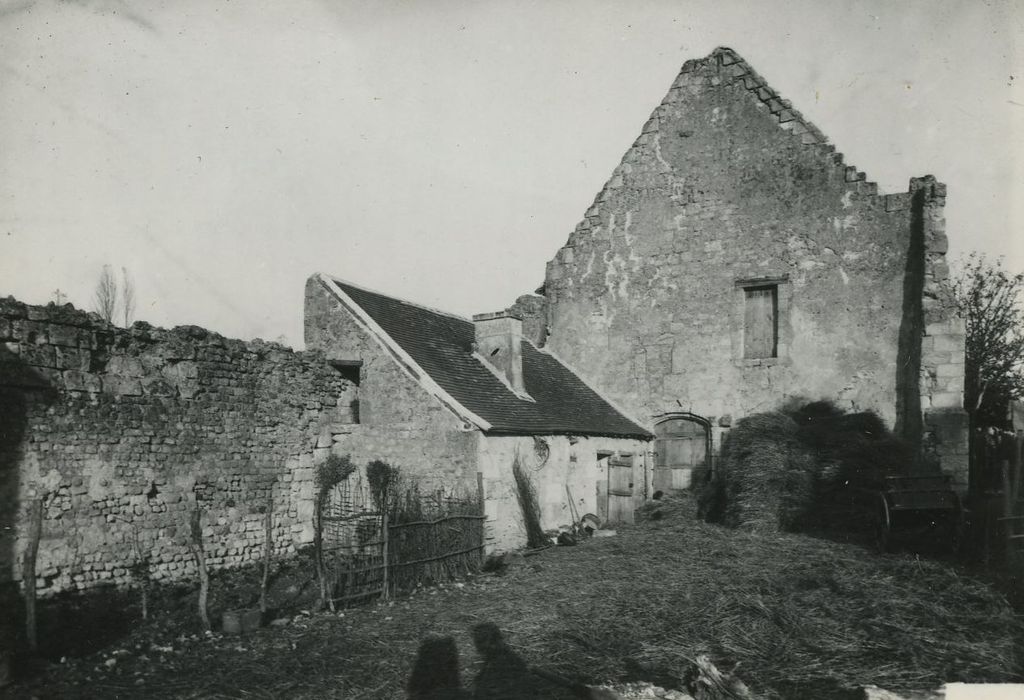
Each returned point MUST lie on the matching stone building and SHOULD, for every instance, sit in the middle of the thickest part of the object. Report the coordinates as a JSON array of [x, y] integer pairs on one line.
[[446, 399], [733, 259]]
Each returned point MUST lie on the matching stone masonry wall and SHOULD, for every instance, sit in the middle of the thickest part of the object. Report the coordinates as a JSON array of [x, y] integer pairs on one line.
[[399, 422], [945, 429], [729, 186], [122, 433]]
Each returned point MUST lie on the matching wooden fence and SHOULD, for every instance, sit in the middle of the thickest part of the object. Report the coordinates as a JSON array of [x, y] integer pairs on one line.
[[418, 539], [997, 472]]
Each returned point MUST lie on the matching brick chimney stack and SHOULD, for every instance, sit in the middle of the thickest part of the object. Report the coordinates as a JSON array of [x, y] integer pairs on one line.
[[499, 340]]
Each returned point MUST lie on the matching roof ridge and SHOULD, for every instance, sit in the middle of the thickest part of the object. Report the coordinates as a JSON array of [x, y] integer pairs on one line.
[[363, 288]]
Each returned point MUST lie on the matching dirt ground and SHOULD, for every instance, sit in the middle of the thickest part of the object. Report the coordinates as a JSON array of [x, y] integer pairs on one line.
[[801, 617]]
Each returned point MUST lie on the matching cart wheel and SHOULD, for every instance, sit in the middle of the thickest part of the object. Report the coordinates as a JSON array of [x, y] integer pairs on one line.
[[883, 525]]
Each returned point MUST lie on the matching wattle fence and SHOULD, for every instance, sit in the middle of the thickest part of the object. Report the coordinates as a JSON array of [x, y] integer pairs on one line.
[[416, 540]]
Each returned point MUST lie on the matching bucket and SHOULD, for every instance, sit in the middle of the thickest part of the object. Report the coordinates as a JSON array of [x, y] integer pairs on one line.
[[239, 621]]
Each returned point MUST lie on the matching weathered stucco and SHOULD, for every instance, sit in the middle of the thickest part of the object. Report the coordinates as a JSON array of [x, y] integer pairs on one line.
[[728, 186], [552, 463]]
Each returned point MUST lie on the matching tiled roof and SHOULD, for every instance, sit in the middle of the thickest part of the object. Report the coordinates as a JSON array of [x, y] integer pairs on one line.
[[442, 345]]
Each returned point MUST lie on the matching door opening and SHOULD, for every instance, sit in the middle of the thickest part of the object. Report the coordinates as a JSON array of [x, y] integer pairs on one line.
[[681, 452]]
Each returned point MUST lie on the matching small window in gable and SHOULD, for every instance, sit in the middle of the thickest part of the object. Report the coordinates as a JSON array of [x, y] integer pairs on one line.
[[349, 369], [760, 321], [348, 403]]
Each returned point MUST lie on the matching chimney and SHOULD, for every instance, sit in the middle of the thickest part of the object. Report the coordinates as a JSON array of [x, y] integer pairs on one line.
[[499, 340]]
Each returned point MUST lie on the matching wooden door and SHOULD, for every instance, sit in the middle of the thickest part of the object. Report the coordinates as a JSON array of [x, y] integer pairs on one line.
[[620, 488], [680, 453]]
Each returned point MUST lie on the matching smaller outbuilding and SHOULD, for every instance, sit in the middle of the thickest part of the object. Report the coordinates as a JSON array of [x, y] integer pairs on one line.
[[455, 403]]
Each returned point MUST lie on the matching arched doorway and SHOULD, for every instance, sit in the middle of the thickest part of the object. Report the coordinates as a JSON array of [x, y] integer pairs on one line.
[[682, 451]]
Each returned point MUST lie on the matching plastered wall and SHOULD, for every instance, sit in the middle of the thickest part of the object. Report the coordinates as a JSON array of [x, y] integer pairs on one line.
[[551, 463]]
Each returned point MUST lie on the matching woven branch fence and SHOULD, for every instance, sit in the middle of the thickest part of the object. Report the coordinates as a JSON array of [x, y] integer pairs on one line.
[[418, 539]]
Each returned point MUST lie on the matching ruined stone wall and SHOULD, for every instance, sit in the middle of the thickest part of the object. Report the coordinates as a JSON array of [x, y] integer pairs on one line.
[[729, 186], [944, 429], [122, 433], [399, 422]]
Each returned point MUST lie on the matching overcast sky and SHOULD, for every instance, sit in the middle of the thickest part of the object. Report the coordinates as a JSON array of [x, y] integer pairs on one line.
[[437, 151]]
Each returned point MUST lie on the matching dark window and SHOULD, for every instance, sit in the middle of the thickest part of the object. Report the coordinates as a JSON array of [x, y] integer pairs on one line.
[[350, 370], [348, 402], [760, 321]]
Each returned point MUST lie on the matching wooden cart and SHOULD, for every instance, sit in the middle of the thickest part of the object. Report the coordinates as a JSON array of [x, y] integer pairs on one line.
[[918, 507]]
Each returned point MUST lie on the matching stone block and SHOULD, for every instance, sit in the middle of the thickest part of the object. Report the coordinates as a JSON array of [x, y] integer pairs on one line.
[[938, 243], [121, 386], [72, 357], [67, 336], [76, 380], [38, 355], [947, 400], [125, 366], [947, 343]]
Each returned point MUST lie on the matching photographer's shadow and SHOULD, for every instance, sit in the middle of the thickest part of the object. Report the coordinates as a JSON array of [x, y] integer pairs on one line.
[[503, 674]]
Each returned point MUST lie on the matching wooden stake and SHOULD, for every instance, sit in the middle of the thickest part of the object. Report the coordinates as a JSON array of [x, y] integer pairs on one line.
[[268, 547], [384, 526], [141, 570], [28, 570], [318, 548], [204, 577]]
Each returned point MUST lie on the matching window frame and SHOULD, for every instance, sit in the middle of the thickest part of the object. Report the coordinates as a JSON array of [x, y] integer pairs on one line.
[[771, 349], [781, 302]]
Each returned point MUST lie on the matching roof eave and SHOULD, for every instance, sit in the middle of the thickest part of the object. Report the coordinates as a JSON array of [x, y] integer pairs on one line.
[[516, 432]]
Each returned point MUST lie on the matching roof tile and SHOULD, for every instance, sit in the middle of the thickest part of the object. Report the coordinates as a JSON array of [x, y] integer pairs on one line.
[[442, 345]]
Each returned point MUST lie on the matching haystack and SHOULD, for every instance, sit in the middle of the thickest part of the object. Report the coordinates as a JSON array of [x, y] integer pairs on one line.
[[766, 476], [800, 467]]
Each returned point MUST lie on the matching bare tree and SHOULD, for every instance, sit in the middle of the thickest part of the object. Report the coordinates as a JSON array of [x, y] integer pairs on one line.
[[127, 297], [105, 299], [988, 299]]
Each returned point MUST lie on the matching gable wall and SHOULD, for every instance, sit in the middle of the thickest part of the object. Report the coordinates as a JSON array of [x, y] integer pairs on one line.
[[642, 299], [399, 422]]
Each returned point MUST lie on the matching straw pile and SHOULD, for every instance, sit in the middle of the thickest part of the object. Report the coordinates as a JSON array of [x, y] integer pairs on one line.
[[801, 467], [529, 506], [803, 618]]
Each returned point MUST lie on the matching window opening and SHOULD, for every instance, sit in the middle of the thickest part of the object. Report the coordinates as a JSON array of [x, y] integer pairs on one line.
[[349, 369], [760, 321], [348, 402]]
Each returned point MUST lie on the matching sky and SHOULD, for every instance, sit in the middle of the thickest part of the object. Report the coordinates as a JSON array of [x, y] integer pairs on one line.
[[222, 151]]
